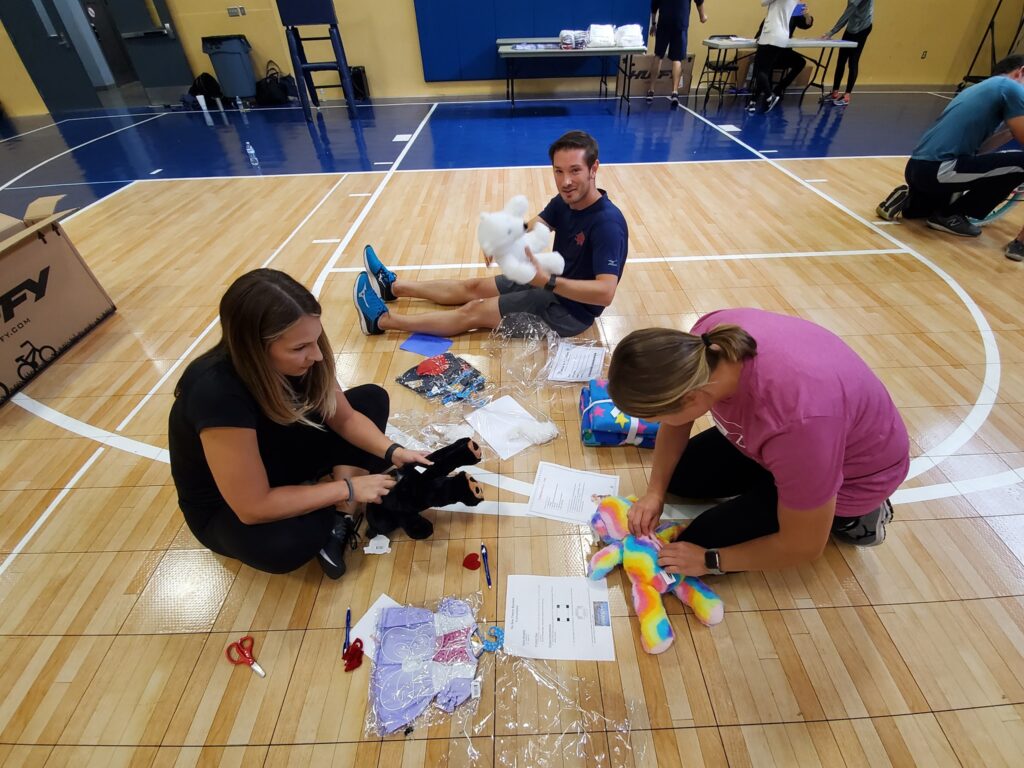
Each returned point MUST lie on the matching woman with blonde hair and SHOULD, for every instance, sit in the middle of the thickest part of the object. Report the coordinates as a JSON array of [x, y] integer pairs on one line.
[[265, 447], [807, 440]]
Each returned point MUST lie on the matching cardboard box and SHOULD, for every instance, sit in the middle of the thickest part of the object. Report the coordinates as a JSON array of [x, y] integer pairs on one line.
[[640, 76], [49, 298]]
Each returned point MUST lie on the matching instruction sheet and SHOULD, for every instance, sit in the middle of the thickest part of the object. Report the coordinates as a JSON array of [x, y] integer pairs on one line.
[[558, 617], [567, 494], [576, 362]]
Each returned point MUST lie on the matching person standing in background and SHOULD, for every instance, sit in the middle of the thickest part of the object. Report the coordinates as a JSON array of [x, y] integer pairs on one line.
[[670, 23], [771, 46], [857, 18]]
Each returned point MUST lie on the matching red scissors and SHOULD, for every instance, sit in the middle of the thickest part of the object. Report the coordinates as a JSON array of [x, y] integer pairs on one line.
[[241, 653]]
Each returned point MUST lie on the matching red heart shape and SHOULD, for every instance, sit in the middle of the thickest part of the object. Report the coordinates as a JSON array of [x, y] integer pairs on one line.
[[471, 561], [432, 366]]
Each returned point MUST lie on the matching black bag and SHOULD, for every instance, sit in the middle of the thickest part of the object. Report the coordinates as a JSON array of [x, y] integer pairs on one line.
[[272, 91], [360, 84], [206, 85]]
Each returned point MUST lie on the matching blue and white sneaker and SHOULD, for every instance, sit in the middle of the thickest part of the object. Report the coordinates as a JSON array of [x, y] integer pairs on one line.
[[383, 278], [370, 307]]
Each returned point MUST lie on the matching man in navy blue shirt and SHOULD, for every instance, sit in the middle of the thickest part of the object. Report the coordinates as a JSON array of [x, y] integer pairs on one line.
[[670, 23], [590, 233]]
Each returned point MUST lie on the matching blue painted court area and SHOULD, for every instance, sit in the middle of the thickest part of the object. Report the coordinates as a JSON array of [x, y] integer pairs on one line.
[[90, 156]]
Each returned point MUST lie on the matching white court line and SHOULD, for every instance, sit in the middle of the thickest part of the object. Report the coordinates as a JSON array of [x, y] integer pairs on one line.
[[37, 166], [71, 424], [26, 133], [816, 181], [768, 151], [49, 510], [664, 259], [360, 194], [941, 96], [318, 286], [138, 448], [74, 184], [328, 240], [104, 199], [154, 173], [384, 162], [213, 323], [990, 385]]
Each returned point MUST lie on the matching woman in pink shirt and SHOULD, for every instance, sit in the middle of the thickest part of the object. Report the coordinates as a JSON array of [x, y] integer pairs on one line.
[[808, 440]]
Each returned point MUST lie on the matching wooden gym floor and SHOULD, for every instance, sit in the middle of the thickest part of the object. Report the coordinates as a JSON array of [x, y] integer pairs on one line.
[[113, 621]]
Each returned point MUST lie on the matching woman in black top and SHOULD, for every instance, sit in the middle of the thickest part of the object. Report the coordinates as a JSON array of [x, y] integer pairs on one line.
[[263, 440]]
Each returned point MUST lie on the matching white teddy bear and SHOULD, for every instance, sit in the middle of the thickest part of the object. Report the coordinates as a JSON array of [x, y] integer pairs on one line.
[[503, 237]]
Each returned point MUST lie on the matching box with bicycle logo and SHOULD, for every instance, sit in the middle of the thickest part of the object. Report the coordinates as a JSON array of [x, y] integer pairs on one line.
[[49, 298]]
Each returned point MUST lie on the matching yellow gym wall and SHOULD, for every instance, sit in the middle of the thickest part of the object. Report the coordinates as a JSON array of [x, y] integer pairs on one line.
[[18, 95], [382, 36]]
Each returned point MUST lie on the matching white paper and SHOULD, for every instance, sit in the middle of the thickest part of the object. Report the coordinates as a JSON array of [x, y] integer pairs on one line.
[[378, 545], [567, 494], [499, 424], [558, 617], [367, 626], [576, 362]]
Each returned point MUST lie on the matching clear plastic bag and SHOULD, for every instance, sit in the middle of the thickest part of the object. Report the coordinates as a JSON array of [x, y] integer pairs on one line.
[[539, 713], [546, 716], [425, 668]]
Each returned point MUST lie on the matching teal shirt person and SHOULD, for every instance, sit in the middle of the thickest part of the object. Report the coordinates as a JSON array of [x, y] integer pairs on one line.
[[971, 118]]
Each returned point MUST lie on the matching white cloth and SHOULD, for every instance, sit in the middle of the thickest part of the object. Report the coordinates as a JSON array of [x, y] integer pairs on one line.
[[603, 35], [629, 35], [776, 22]]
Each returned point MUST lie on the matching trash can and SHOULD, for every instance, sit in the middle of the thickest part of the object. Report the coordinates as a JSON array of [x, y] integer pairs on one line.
[[231, 62]]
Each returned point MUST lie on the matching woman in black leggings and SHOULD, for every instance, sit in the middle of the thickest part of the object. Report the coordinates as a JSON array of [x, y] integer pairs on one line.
[[265, 447], [857, 18]]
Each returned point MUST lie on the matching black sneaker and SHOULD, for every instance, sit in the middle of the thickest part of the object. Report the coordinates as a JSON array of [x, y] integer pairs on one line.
[[673, 100], [344, 535], [1015, 250], [864, 531], [892, 207], [649, 98], [751, 106], [955, 224]]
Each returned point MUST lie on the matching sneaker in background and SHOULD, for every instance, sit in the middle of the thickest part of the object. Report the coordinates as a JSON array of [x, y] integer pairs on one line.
[[954, 224], [369, 305], [864, 531], [383, 278], [892, 207]]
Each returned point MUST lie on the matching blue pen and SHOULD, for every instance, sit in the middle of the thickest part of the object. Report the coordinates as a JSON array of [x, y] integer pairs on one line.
[[487, 565], [348, 629]]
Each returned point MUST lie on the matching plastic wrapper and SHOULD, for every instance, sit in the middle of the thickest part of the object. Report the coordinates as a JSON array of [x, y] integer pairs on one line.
[[535, 714], [548, 715], [523, 349], [426, 668]]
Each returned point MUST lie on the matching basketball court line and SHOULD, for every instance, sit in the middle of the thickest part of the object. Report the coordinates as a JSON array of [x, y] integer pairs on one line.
[[318, 284], [37, 166], [993, 367], [213, 323], [661, 259]]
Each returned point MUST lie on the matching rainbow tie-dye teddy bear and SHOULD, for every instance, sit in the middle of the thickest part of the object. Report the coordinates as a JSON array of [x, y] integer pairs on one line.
[[639, 558]]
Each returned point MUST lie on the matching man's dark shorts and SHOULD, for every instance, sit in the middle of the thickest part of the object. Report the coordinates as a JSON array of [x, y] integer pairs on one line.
[[525, 299]]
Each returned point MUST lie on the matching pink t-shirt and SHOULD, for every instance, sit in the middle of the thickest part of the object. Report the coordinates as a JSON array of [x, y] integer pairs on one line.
[[812, 413]]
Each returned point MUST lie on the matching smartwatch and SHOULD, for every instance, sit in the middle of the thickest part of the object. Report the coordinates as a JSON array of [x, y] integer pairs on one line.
[[712, 563], [550, 284]]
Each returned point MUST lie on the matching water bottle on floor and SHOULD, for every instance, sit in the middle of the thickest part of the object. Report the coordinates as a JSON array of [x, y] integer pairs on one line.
[[253, 160]]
